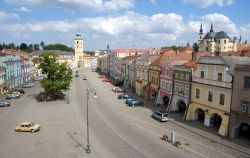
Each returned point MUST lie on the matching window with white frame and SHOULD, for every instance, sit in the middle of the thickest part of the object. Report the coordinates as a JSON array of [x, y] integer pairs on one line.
[[186, 91], [167, 71], [176, 88], [244, 107], [182, 76], [202, 74], [219, 76], [170, 85], [187, 77], [162, 83], [166, 84], [181, 89], [176, 75]]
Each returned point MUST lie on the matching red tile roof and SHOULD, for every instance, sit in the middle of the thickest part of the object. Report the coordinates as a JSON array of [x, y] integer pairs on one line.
[[16, 52], [191, 64]]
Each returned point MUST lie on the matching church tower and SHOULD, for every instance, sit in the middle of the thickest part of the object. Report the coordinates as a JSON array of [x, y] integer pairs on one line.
[[200, 34], [79, 50]]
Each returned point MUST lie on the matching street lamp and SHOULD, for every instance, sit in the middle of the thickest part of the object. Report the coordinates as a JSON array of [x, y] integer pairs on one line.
[[95, 96]]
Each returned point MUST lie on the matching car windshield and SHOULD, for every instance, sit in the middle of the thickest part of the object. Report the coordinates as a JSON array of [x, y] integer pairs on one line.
[[31, 124], [165, 115]]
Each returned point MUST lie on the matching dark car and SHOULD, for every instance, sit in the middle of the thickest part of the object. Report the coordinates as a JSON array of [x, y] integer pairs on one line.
[[160, 116], [136, 103], [20, 90], [4, 104], [76, 71], [129, 100], [124, 96], [77, 75]]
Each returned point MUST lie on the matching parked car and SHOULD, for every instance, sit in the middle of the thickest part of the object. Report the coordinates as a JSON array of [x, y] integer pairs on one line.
[[114, 88], [119, 90], [28, 127], [106, 80], [160, 116], [128, 100], [84, 78], [119, 83], [28, 85], [124, 96], [4, 104], [38, 78], [136, 103], [77, 75], [20, 90], [76, 71], [13, 95]]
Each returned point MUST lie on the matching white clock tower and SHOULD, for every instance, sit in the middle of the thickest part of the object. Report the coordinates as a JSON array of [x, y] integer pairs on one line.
[[79, 50]]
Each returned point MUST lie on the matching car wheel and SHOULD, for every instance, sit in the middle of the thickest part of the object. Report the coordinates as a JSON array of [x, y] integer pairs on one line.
[[159, 119], [32, 131]]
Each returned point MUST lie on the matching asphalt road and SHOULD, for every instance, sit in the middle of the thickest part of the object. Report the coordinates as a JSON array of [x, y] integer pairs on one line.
[[116, 130]]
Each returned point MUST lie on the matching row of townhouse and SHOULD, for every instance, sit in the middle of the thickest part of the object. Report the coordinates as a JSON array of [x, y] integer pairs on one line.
[[15, 69], [212, 89]]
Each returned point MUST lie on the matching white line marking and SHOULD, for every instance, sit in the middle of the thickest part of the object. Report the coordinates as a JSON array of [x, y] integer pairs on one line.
[[208, 147], [196, 152]]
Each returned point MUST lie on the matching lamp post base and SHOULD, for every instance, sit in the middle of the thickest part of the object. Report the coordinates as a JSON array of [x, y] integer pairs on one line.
[[88, 149]]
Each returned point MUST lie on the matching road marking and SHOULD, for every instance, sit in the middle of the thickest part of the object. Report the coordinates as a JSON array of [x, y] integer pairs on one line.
[[196, 152], [208, 147], [154, 133]]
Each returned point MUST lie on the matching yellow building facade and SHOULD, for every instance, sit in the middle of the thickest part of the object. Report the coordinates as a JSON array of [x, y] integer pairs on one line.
[[211, 93]]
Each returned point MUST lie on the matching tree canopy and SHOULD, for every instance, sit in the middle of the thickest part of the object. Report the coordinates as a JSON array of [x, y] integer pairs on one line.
[[58, 47], [58, 75]]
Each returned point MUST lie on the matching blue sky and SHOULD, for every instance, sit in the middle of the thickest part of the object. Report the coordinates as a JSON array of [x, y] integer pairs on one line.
[[120, 23]]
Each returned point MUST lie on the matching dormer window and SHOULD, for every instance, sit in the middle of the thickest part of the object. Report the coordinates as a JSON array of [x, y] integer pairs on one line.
[[219, 76], [202, 74]]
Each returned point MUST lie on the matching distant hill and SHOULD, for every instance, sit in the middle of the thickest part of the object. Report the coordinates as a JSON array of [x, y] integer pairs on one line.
[[58, 47]]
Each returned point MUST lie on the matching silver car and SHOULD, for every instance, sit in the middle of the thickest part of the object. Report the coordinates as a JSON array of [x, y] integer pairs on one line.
[[160, 116]]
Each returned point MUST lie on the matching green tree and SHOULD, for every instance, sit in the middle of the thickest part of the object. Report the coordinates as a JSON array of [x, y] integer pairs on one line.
[[23, 46], [58, 47], [58, 76], [42, 44], [36, 47]]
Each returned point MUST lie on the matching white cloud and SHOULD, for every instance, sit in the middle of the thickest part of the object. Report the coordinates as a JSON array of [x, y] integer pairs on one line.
[[245, 32], [24, 9], [59, 26], [130, 30], [207, 3], [153, 2], [8, 16], [97, 5]]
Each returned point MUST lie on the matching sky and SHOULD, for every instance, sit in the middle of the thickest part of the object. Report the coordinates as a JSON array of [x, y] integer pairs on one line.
[[120, 23]]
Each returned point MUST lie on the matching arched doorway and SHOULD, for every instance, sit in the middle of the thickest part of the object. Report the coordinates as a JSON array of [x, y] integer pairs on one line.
[[215, 120], [182, 106], [166, 100], [244, 130], [199, 115]]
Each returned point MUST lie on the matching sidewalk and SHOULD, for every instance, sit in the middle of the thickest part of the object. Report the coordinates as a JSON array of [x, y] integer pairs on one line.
[[236, 144]]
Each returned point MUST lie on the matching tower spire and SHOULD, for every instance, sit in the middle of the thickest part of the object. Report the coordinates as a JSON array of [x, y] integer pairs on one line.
[[211, 30], [201, 30]]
